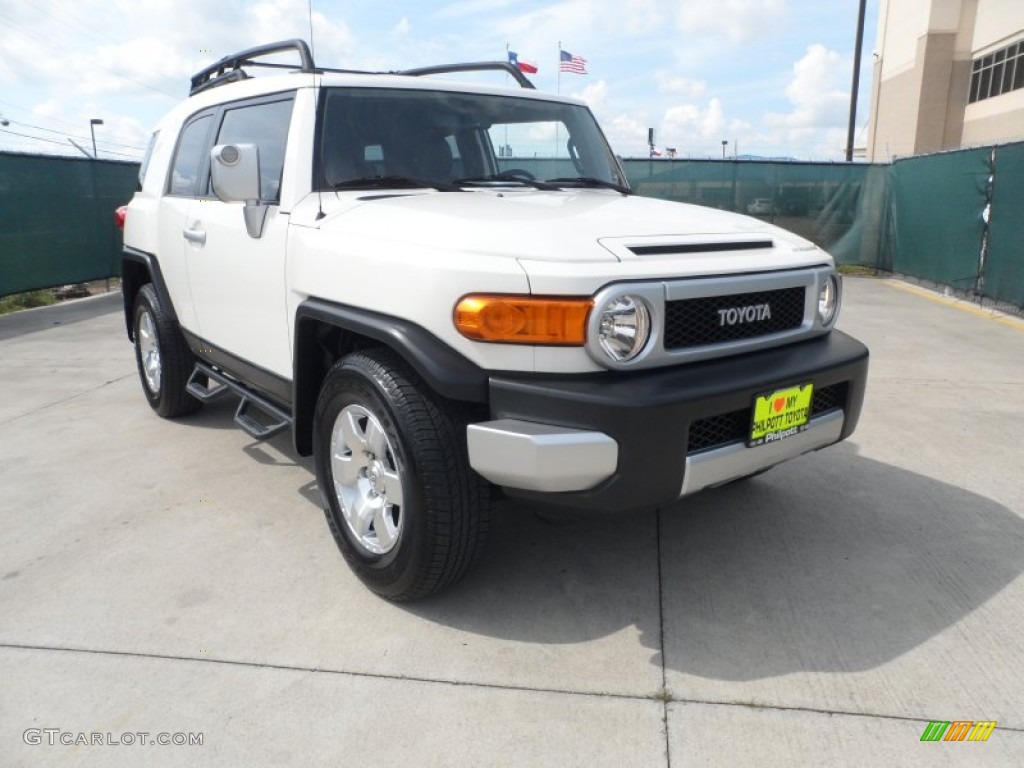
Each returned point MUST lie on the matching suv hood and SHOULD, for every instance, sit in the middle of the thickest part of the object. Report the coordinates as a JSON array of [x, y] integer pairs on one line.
[[532, 225]]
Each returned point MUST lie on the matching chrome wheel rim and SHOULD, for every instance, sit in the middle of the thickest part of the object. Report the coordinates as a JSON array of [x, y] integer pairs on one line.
[[149, 353], [367, 480]]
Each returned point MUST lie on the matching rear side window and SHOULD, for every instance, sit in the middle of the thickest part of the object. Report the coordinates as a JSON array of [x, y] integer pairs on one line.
[[145, 158], [188, 158], [266, 126]]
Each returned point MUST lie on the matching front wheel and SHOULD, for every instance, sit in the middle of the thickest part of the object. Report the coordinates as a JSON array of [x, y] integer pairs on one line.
[[407, 512]]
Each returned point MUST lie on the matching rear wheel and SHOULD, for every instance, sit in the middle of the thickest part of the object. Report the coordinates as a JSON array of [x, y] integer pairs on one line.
[[403, 505], [162, 356]]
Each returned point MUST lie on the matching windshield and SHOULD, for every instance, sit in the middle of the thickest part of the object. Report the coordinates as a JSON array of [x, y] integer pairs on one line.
[[445, 138]]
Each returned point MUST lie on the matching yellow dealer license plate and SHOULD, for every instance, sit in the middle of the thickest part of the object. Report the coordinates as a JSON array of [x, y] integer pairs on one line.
[[780, 414]]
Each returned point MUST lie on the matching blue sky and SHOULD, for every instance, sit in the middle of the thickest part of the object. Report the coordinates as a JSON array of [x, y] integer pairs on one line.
[[771, 77]]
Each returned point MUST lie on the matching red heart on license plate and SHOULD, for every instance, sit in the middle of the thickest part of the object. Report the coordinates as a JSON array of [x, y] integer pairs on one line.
[[779, 402]]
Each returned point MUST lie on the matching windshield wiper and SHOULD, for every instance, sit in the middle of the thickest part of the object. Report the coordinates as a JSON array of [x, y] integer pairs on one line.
[[506, 178], [395, 182], [590, 181]]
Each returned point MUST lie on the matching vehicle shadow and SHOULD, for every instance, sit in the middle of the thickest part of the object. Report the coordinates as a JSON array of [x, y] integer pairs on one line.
[[833, 562]]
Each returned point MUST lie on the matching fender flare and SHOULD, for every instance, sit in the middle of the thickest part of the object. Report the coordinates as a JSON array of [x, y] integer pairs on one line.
[[133, 262], [447, 372]]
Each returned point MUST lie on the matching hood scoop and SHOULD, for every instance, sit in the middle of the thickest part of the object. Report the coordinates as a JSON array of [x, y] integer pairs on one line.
[[697, 247]]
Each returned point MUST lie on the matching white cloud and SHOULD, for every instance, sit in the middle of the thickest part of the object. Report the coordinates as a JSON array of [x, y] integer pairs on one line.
[[465, 8], [686, 67], [642, 16], [739, 20], [627, 135], [685, 122], [402, 28], [45, 109], [679, 86], [818, 100], [596, 95]]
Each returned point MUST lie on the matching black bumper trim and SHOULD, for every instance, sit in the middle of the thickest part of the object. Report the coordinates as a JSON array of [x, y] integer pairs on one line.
[[649, 413]]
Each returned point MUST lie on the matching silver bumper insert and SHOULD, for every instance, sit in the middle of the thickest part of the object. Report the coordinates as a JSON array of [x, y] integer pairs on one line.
[[733, 461], [540, 457]]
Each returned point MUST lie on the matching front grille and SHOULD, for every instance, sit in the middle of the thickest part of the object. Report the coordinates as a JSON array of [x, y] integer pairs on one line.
[[718, 430], [732, 427], [696, 322], [827, 398]]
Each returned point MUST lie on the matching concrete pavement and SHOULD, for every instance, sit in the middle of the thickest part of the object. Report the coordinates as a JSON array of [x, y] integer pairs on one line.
[[177, 577]]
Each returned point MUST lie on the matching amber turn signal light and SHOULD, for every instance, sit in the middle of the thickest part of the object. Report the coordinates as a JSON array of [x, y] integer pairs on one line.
[[523, 319]]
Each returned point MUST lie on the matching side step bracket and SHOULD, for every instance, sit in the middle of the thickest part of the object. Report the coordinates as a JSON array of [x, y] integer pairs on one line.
[[208, 384]]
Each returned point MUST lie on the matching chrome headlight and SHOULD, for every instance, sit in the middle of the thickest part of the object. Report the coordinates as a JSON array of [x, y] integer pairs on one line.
[[624, 326], [828, 300]]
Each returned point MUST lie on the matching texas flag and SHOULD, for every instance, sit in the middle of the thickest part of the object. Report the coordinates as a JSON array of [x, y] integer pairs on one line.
[[522, 66]]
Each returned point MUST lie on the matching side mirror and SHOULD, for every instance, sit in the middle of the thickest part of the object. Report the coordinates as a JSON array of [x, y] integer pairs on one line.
[[235, 174]]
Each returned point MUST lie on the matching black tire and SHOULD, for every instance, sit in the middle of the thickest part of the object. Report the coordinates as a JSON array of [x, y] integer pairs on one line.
[[165, 393], [444, 514]]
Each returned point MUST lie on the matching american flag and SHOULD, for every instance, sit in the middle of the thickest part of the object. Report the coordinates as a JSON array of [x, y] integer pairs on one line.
[[569, 63]]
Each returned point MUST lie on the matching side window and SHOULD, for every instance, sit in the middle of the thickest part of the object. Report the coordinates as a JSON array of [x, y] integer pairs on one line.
[[266, 126], [188, 158], [145, 158]]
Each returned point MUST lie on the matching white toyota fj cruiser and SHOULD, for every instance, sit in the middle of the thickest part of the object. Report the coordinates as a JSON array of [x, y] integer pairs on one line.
[[362, 258]]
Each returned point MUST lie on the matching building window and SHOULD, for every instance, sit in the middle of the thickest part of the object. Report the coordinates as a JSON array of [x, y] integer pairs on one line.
[[997, 73]]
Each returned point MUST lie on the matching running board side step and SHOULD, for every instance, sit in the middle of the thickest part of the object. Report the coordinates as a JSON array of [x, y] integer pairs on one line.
[[206, 384]]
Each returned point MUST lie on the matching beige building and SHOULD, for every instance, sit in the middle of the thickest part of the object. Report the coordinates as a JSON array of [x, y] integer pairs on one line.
[[948, 74]]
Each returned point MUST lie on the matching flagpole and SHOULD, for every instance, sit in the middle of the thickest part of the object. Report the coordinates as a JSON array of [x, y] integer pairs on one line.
[[502, 153], [504, 148], [559, 64], [559, 87]]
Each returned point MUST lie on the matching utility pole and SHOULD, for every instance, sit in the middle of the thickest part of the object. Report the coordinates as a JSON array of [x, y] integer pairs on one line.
[[856, 82]]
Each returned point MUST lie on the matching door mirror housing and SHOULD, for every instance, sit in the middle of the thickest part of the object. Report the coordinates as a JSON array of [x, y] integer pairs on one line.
[[235, 175]]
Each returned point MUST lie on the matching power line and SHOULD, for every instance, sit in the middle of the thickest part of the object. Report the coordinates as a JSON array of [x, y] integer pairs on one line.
[[76, 136], [29, 136], [77, 26], [61, 143], [30, 112], [19, 30]]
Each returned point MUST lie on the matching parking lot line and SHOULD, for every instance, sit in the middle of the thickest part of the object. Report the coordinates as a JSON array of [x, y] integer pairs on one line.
[[964, 306]]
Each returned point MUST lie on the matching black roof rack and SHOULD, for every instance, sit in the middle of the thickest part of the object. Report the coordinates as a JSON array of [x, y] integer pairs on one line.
[[223, 71], [479, 66], [229, 69]]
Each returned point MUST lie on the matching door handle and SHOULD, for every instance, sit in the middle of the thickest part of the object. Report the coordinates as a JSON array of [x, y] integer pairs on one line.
[[195, 235]]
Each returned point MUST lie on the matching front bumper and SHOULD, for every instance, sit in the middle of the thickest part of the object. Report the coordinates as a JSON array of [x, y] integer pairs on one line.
[[614, 441]]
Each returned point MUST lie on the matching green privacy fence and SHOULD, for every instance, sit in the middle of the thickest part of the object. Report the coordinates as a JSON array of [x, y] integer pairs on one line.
[[57, 219], [828, 203], [922, 216], [935, 217]]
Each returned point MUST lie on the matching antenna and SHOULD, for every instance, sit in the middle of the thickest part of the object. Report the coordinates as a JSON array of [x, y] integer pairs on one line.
[[319, 191], [312, 47]]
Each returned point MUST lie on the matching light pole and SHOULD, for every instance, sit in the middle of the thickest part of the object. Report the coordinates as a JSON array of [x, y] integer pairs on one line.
[[725, 143], [4, 121], [92, 130], [856, 82]]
